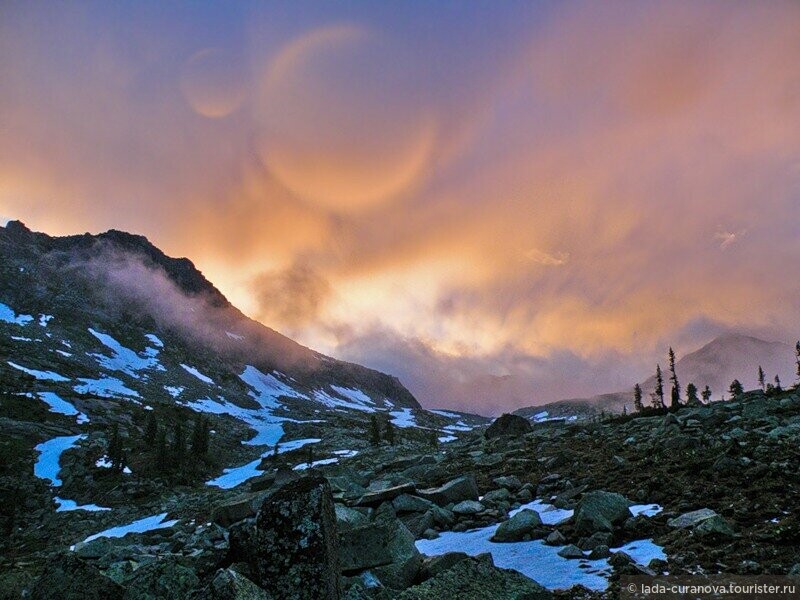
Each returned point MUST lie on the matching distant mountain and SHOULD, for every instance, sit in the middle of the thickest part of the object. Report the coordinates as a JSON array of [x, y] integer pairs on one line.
[[725, 358]]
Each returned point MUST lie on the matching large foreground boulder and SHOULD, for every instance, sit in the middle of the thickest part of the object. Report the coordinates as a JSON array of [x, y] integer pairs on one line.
[[452, 492], [473, 578], [524, 523], [230, 585], [601, 511], [70, 578], [293, 548], [508, 425]]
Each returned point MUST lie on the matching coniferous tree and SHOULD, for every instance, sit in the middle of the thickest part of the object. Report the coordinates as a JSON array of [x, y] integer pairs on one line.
[[434, 439], [150, 430], [659, 386], [761, 378], [637, 398], [673, 377], [375, 431], [388, 433], [736, 389], [624, 410], [691, 395], [797, 357], [310, 454], [706, 394], [675, 398], [778, 388]]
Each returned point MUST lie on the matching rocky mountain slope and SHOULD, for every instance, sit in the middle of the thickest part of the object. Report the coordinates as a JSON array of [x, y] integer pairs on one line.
[[727, 357]]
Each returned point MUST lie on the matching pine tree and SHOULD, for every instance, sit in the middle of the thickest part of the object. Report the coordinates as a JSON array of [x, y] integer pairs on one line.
[[659, 386], [797, 357], [676, 387], [199, 445], [736, 389], [637, 398], [375, 431], [388, 433], [706, 394], [778, 388], [150, 430], [310, 455], [761, 378], [691, 395], [624, 410], [675, 399]]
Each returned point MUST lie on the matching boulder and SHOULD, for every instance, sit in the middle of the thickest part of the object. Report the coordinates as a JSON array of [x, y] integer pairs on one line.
[[374, 498], [601, 511], [406, 559], [408, 503], [364, 547], [495, 496], [468, 507], [434, 565], [294, 546], [418, 523], [511, 482], [522, 524], [508, 425], [230, 585], [476, 578], [556, 538], [714, 527], [571, 551], [691, 519], [166, 579], [67, 577], [452, 492], [237, 510], [347, 517]]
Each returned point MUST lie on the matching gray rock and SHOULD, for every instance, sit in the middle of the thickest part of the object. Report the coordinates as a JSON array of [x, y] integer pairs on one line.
[[714, 527], [601, 511], [408, 503], [377, 497], [522, 524], [434, 565], [294, 545], [230, 585], [474, 578], [347, 517], [496, 496], [237, 510], [506, 424], [511, 483], [406, 559], [452, 492], [468, 507], [599, 552], [691, 519], [571, 551], [165, 579], [364, 547], [556, 538]]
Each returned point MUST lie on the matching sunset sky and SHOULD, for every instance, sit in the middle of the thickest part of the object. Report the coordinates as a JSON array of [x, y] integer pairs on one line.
[[502, 203]]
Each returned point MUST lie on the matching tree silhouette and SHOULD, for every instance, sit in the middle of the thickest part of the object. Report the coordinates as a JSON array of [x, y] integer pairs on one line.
[[778, 388], [691, 394], [736, 389], [375, 431], [659, 386], [116, 454], [761, 378], [388, 433], [706, 394], [673, 377], [637, 398]]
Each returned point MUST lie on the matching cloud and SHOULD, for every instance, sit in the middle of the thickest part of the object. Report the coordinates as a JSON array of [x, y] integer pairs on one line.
[[726, 238], [293, 296]]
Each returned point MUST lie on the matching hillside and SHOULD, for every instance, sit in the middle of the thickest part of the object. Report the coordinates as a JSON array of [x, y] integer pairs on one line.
[[725, 358]]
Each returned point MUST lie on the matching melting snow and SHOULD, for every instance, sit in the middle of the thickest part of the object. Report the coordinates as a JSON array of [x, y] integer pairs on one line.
[[352, 399], [403, 418], [44, 320], [198, 374], [316, 463], [69, 505], [9, 316], [175, 390], [447, 438], [40, 375], [444, 413], [267, 388], [647, 510], [105, 387], [234, 336], [58, 405], [140, 526], [124, 359], [47, 466], [154, 339], [549, 514]]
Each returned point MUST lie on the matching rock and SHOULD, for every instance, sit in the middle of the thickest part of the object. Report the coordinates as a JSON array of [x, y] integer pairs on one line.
[[237, 510], [714, 527], [434, 565], [468, 507], [452, 492], [430, 534], [230, 585], [571, 551], [495, 496], [596, 539], [377, 497], [620, 559], [418, 523], [364, 547], [473, 578], [442, 516], [525, 495], [67, 577], [601, 511], [294, 545], [406, 559], [95, 549], [165, 579], [347, 517], [511, 483], [599, 552], [691, 519], [556, 538], [517, 527], [408, 503], [508, 425]]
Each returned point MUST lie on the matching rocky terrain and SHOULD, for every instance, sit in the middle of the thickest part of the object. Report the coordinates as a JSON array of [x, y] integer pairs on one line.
[[155, 443]]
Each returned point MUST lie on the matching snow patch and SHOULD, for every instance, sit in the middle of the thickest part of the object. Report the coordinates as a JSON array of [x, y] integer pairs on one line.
[[124, 359], [47, 465], [58, 405], [44, 320], [105, 387], [198, 374], [234, 336], [7, 315], [646, 510], [345, 400], [140, 526], [316, 463], [174, 390], [403, 418], [65, 505], [40, 375]]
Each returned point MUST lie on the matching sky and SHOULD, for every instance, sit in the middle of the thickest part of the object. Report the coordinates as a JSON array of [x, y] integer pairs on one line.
[[503, 204]]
